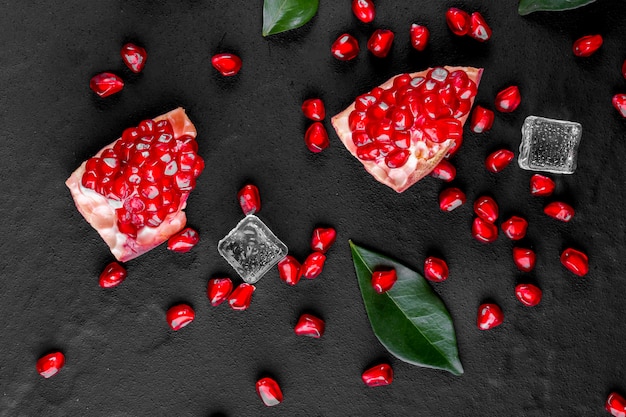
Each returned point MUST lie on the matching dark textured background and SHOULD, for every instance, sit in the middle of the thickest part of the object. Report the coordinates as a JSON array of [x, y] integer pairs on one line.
[[561, 358]]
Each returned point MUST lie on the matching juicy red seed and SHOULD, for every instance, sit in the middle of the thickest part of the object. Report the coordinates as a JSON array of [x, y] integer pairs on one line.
[[310, 326], [113, 275], [499, 160], [486, 208], [313, 265], [269, 391], [380, 42], [515, 228], [357, 120], [419, 36], [540, 185], [241, 297], [528, 294], [489, 316], [456, 145], [508, 99], [444, 170], [345, 48], [479, 29], [369, 152], [560, 211], [483, 231], [398, 158], [249, 199], [314, 109], [524, 259], [183, 241], [619, 102], [482, 120], [180, 316], [363, 102], [575, 261], [458, 21], [435, 269], [378, 375], [134, 57], [89, 180], [323, 238], [106, 84], [383, 281], [402, 119], [360, 138], [218, 290], [401, 139], [364, 10], [289, 270], [616, 405], [316, 138], [587, 45], [451, 198], [50, 364], [227, 64]]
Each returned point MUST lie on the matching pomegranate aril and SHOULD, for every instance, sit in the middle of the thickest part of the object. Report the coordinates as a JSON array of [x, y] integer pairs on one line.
[[313, 265], [524, 259], [241, 297], [486, 208], [89, 180], [508, 100], [479, 29], [364, 10], [184, 181], [218, 290], [435, 269], [249, 199], [499, 160], [401, 118], [451, 198], [180, 316], [106, 84], [587, 45], [50, 364], [398, 158], [484, 231], [183, 241], [619, 102], [289, 270], [378, 375], [458, 21], [345, 48], [560, 211], [310, 326], [323, 238], [134, 57], [380, 42], [316, 138], [383, 281], [489, 316], [616, 405], [227, 64], [314, 109], [112, 275], [575, 261], [528, 294], [482, 120], [515, 228], [540, 185], [419, 36], [444, 170], [269, 391]]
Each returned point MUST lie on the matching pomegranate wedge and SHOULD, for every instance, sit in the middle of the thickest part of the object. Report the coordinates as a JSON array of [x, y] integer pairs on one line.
[[134, 190]]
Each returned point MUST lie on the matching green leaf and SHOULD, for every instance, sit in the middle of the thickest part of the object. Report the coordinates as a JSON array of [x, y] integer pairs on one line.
[[410, 320], [283, 15], [529, 6]]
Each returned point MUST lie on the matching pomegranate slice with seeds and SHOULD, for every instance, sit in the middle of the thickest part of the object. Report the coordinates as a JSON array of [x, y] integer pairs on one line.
[[380, 42], [402, 129], [378, 376], [419, 36], [134, 57], [113, 275], [128, 193], [106, 84], [50, 364]]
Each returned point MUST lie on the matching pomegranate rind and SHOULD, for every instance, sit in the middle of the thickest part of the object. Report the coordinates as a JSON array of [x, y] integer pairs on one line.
[[423, 159], [100, 213]]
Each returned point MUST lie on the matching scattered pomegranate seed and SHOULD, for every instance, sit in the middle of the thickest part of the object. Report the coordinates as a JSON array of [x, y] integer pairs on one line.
[[486, 208], [479, 29], [383, 281], [134, 57], [560, 211], [323, 238], [310, 326], [575, 261], [49, 365], [241, 297], [499, 160], [364, 10], [378, 375], [113, 275], [482, 120], [269, 391], [313, 265], [183, 241], [180, 316], [528, 294], [524, 259], [616, 405], [316, 138], [451, 198], [218, 290], [227, 64], [515, 228], [587, 45], [458, 21], [106, 84], [619, 102], [289, 270], [249, 199], [435, 269], [508, 99], [345, 48], [419, 36], [314, 109], [380, 42], [541, 186], [444, 171], [484, 231], [489, 316]]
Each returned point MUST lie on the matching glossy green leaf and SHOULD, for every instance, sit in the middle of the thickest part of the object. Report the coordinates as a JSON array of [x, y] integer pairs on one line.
[[529, 6], [410, 320], [283, 15]]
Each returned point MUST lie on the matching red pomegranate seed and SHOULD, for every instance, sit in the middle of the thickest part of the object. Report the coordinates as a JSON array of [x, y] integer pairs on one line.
[[180, 316], [134, 57], [383, 281], [313, 265], [269, 391], [323, 238], [106, 84], [113, 275], [479, 29], [486, 208], [218, 290], [508, 99], [489, 316], [378, 375], [364, 10], [499, 160], [444, 171], [314, 109], [419, 36], [458, 21], [241, 297], [528, 294], [483, 231], [435, 269], [316, 137], [249, 199], [183, 241], [380, 42], [345, 48], [482, 120], [524, 259], [515, 228], [49, 365], [310, 326], [289, 270], [451, 198], [560, 211], [575, 261], [616, 405], [619, 102], [227, 64], [587, 45], [541, 186]]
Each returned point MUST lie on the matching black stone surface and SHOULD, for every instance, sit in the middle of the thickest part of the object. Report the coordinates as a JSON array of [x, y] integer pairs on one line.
[[561, 358]]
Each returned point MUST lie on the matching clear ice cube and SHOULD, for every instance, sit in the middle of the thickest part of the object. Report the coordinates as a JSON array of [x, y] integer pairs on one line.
[[549, 145], [251, 249]]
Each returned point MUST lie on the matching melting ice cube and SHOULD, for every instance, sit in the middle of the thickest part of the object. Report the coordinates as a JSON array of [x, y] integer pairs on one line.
[[549, 145], [251, 248]]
